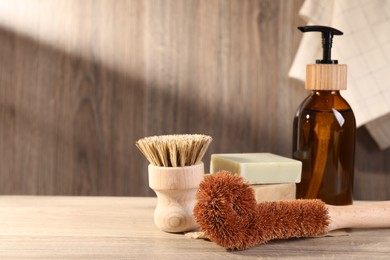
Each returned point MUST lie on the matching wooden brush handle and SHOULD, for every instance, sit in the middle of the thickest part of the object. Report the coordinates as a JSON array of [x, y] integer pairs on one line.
[[175, 188], [362, 215]]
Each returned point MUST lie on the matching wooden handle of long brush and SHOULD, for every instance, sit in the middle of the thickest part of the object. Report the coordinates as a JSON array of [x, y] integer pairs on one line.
[[362, 215]]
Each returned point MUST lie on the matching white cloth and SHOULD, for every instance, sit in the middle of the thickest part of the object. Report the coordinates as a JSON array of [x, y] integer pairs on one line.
[[364, 47]]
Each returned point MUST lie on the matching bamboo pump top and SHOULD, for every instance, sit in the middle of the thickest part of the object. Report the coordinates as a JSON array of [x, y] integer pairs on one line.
[[326, 74]]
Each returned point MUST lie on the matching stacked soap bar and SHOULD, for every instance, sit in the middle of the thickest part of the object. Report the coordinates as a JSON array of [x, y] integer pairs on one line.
[[272, 192], [272, 177]]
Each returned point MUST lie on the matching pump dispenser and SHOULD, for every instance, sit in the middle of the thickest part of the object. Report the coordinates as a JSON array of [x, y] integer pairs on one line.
[[324, 129]]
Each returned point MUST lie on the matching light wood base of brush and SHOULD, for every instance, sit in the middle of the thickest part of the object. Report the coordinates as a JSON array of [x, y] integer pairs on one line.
[[175, 188]]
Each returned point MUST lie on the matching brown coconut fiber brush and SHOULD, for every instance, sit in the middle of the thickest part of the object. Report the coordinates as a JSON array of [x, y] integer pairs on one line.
[[227, 211]]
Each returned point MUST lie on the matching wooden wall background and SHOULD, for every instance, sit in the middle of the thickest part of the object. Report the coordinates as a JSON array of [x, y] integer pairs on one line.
[[81, 81]]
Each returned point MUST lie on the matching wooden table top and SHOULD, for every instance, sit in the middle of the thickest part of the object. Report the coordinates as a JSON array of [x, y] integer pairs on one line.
[[50, 227]]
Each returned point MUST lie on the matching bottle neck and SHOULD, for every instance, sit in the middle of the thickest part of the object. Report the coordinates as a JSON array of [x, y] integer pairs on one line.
[[325, 92]]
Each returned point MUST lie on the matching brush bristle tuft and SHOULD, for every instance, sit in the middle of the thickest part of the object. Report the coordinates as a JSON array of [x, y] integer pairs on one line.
[[225, 210], [174, 150]]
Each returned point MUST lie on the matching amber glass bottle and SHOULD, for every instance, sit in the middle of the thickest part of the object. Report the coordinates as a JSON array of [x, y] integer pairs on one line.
[[324, 140], [324, 129]]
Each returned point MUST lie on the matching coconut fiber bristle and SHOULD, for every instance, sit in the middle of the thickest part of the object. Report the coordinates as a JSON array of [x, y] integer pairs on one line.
[[174, 150], [227, 211]]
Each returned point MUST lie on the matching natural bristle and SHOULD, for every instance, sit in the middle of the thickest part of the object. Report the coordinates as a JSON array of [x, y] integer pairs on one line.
[[226, 210], [174, 150]]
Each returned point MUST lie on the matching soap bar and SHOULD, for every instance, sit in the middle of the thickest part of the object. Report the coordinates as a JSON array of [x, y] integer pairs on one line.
[[258, 168], [274, 192]]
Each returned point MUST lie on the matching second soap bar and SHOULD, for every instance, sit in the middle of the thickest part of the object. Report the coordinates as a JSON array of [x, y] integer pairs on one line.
[[258, 168], [274, 192]]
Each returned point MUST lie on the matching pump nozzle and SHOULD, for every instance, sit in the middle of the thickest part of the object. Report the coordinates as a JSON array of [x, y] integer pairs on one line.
[[327, 39]]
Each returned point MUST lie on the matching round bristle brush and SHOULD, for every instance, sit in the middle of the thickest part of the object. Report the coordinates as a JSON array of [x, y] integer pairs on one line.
[[227, 211], [174, 173]]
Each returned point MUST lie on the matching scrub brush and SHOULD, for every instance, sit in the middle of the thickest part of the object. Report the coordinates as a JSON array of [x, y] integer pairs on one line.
[[175, 172], [227, 211]]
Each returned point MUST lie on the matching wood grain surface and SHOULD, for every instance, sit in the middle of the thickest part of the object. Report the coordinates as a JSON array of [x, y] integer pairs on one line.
[[81, 81], [122, 228]]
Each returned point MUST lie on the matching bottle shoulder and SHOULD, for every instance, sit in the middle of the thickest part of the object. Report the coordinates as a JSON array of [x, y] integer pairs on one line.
[[325, 101]]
